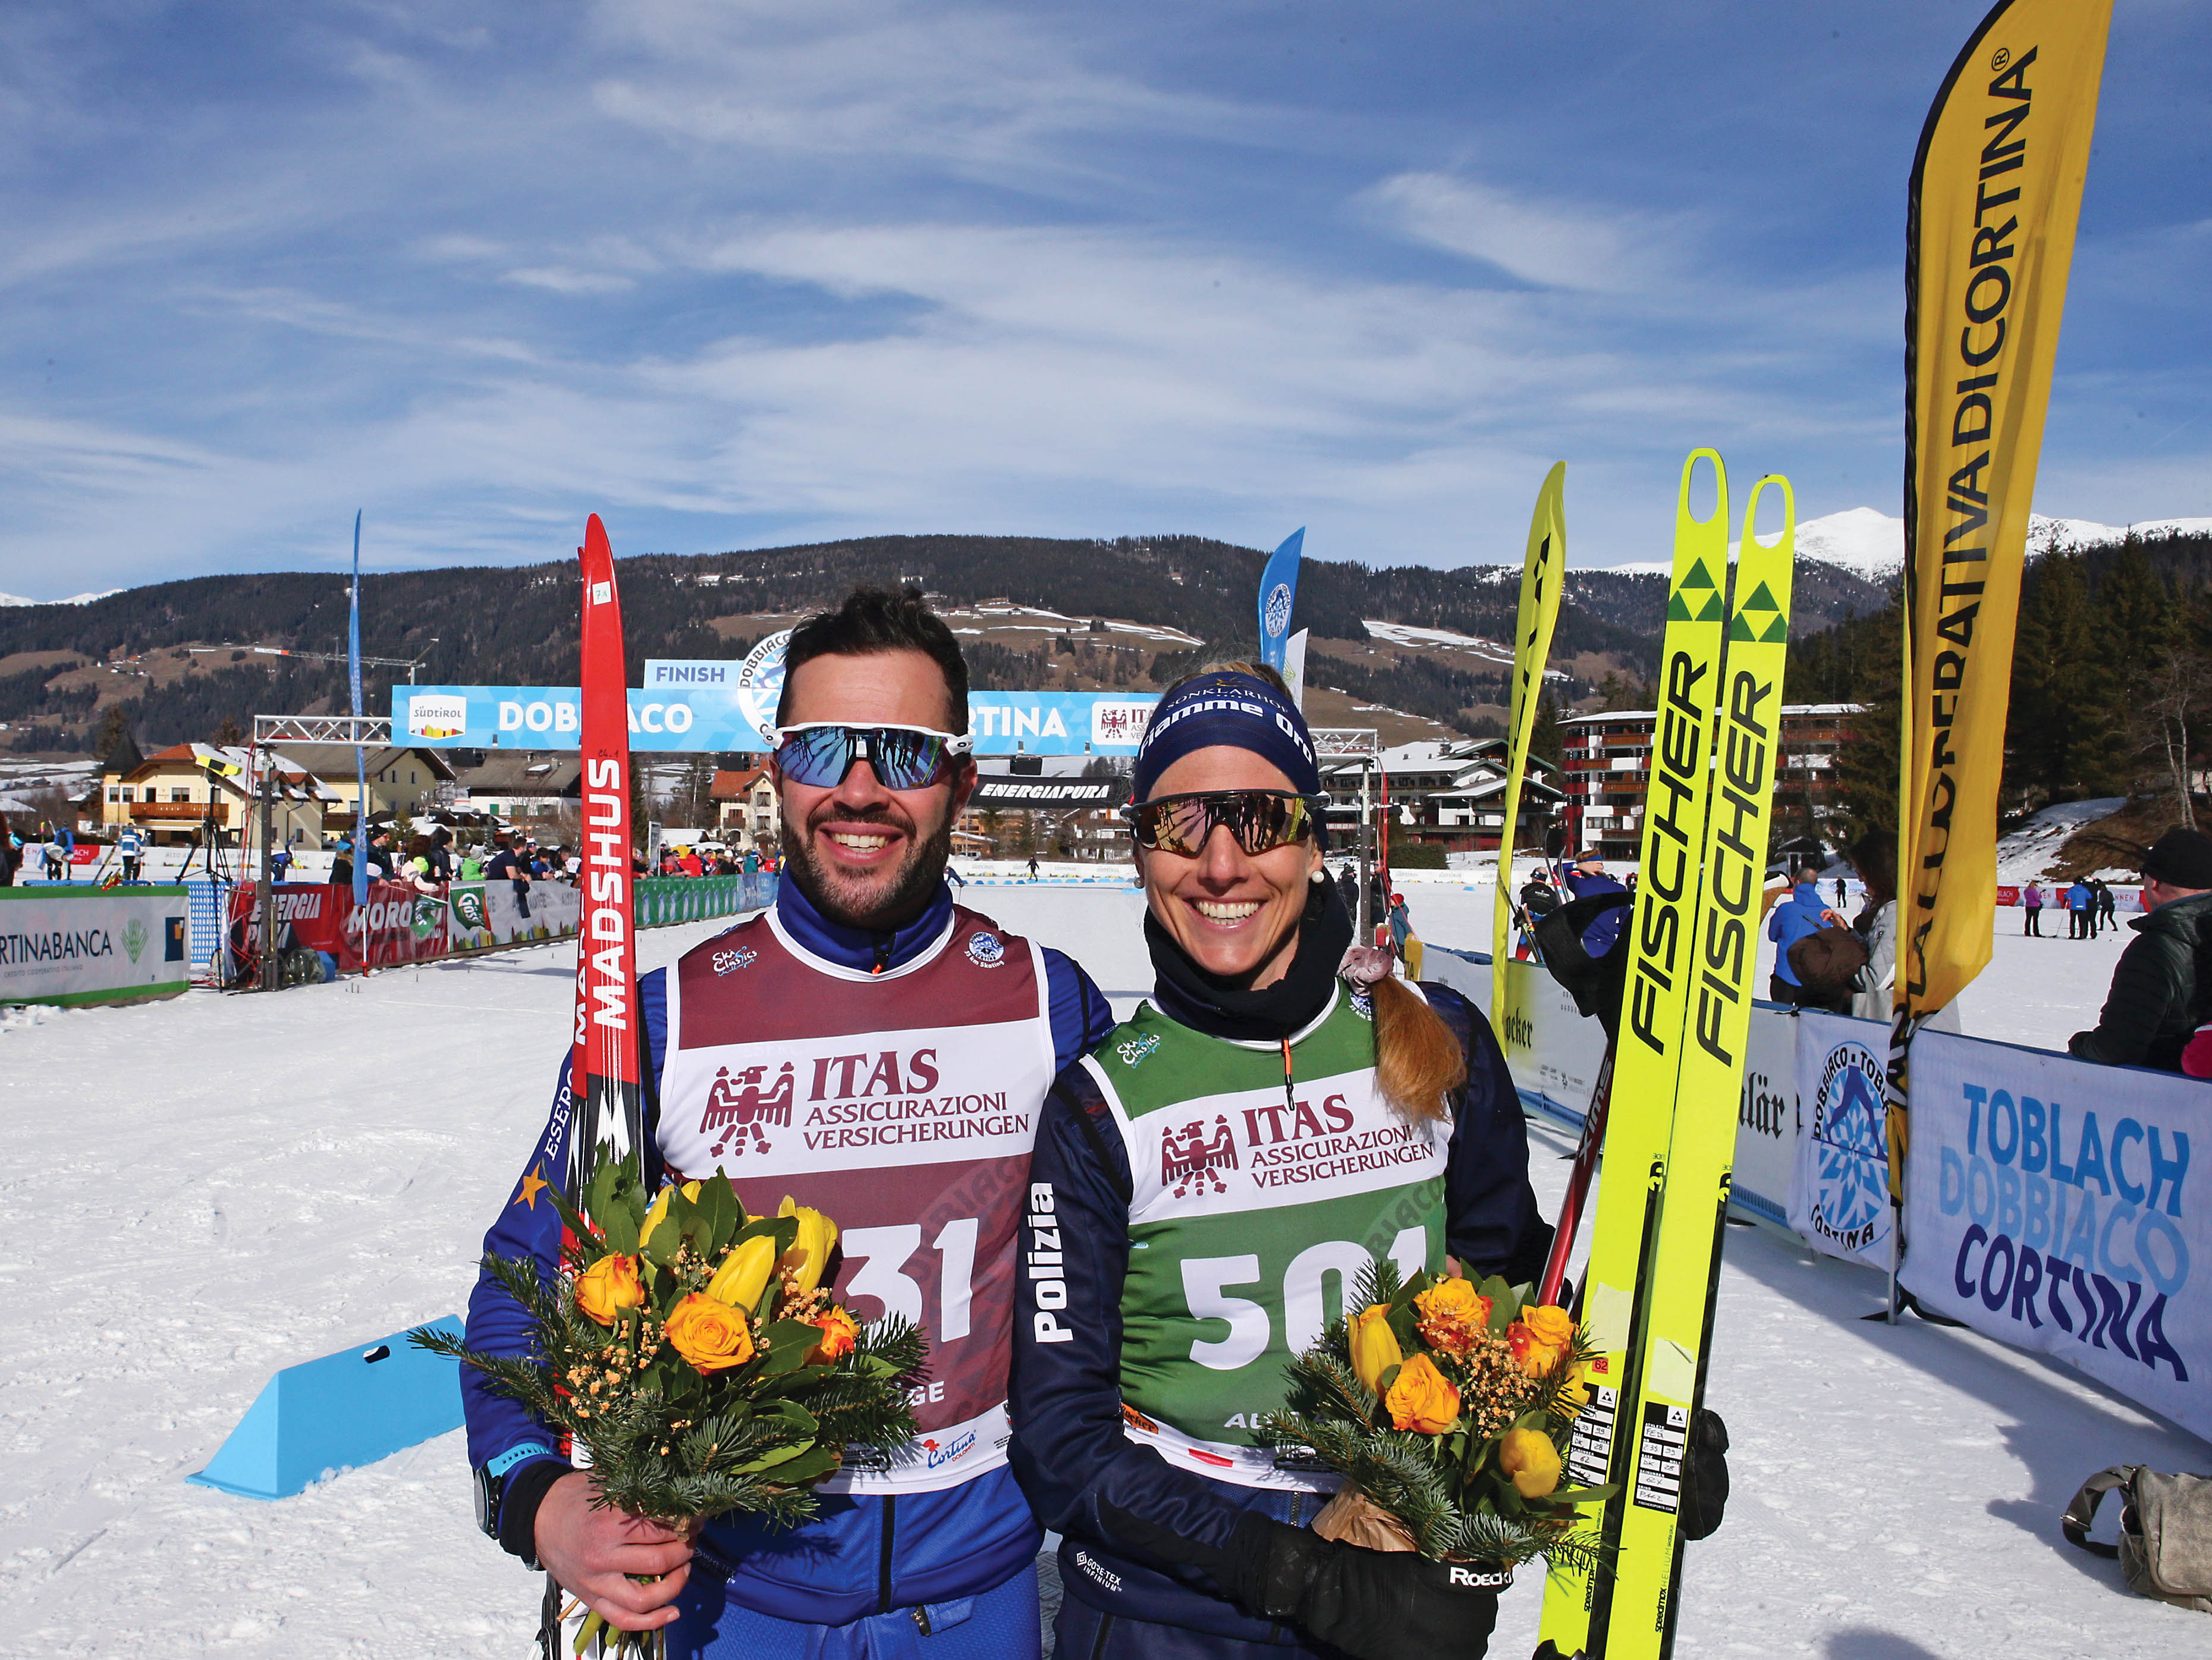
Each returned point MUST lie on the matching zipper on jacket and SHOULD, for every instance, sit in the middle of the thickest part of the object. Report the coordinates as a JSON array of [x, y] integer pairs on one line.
[[883, 1562]]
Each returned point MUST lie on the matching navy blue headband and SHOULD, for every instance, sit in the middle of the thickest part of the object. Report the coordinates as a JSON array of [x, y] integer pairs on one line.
[[1239, 710]]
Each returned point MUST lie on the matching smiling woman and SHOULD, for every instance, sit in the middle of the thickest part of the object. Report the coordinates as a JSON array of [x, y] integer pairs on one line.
[[1209, 1185]]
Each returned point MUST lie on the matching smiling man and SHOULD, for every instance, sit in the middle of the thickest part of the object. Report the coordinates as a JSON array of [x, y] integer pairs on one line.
[[876, 1052]]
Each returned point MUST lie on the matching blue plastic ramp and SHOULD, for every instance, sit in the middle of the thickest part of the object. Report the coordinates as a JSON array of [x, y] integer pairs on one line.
[[352, 1408]]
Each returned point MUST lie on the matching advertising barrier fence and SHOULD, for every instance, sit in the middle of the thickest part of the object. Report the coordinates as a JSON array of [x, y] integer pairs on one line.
[[400, 925], [2050, 1202], [73, 946]]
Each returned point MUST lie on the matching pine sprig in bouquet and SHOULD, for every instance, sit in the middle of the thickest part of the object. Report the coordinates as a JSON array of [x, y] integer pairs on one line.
[[695, 1353], [1446, 1406]]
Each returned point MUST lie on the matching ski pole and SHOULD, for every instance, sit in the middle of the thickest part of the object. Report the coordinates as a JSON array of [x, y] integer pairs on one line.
[[1578, 1182]]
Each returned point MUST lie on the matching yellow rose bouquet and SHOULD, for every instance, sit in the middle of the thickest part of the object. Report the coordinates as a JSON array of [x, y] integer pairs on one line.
[[1446, 1406], [695, 1354]]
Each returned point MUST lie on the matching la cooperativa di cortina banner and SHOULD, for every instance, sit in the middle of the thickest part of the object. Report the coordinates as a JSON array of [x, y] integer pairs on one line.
[[1995, 193], [2055, 1204]]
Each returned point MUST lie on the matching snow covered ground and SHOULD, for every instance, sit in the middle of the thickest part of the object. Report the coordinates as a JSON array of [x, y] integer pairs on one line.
[[203, 1190]]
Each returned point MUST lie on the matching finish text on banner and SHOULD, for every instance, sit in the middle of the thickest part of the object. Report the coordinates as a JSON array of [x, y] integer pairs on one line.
[[2052, 1203]]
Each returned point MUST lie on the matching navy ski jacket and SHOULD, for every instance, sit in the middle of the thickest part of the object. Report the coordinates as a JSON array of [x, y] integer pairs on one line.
[[861, 1555], [1068, 1450]]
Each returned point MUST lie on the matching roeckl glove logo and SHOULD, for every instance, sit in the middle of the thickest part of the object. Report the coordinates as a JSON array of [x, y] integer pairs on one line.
[[1481, 1579]]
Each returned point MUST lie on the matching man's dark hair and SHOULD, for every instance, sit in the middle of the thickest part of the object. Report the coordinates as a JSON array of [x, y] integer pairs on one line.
[[874, 620]]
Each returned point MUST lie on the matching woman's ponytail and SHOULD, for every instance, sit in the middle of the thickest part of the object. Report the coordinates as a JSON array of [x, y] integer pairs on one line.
[[1417, 1061]]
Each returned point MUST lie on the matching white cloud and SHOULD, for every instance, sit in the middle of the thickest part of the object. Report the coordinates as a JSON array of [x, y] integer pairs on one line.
[[1550, 247]]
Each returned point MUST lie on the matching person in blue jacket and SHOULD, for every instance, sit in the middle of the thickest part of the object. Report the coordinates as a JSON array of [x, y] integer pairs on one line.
[[863, 948], [2081, 911], [1583, 879], [1199, 1191], [1791, 920]]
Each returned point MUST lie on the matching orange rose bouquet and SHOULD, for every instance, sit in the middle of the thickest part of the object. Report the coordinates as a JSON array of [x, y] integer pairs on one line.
[[1446, 1406], [697, 1353]]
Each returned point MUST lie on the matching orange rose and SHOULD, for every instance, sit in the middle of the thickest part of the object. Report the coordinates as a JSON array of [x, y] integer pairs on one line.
[[1423, 1398], [1529, 1457], [1535, 1355], [839, 1333], [713, 1337], [1552, 1325], [1451, 1313], [608, 1286]]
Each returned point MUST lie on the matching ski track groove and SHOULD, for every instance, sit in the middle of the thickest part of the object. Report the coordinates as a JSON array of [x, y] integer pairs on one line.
[[210, 1189]]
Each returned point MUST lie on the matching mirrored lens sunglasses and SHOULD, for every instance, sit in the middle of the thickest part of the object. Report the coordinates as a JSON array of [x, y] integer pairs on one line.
[[820, 753], [1261, 820]]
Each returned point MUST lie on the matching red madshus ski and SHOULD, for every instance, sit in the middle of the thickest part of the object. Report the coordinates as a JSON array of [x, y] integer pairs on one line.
[[604, 1074]]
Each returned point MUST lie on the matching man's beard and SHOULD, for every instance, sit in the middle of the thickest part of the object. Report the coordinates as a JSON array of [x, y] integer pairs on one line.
[[844, 902]]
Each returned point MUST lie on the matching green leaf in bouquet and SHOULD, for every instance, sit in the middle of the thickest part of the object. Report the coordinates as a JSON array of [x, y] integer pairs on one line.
[[796, 1418], [810, 1466], [1388, 1377], [1504, 1307], [772, 1458], [1567, 1498], [724, 1213], [619, 1229], [786, 1342]]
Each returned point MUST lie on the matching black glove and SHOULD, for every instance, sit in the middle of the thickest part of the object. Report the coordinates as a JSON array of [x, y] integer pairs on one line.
[[1372, 1604], [1705, 1476]]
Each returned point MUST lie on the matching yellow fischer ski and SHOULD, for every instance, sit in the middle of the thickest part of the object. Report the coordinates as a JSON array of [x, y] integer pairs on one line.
[[1541, 573], [1681, 1276], [1647, 1056]]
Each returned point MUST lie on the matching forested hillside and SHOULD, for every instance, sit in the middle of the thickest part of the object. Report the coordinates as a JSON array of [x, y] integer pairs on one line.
[[64, 667]]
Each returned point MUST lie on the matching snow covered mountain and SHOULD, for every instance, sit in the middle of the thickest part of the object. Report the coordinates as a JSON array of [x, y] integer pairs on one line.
[[1871, 546], [74, 599]]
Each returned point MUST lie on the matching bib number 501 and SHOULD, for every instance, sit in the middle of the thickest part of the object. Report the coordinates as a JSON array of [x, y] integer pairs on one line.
[[1207, 1280]]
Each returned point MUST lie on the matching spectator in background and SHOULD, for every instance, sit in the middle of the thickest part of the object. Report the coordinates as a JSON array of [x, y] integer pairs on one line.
[[1583, 879], [689, 858], [752, 863], [1841, 895], [1873, 856], [131, 847], [2158, 999], [472, 868], [441, 855], [383, 863], [2031, 901], [509, 865], [1401, 924], [341, 864], [1033, 867], [1796, 918], [280, 864], [2081, 911], [11, 854], [2107, 907]]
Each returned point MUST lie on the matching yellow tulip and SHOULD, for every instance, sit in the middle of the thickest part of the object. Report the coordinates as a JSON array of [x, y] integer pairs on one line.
[[1374, 1346], [658, 1214], [1529, 1457], [743, 1274], [810, 1252]]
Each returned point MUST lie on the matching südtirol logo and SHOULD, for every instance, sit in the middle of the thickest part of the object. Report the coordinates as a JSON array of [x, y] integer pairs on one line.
[[1852, 1196], [134, 938], [739, 1107], [1188, 1162]]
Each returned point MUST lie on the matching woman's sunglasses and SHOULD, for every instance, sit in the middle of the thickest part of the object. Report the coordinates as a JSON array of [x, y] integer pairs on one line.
[[1261, 820], [820, 754]]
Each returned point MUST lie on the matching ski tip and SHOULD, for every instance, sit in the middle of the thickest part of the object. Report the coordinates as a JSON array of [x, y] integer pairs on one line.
[[595, 535]]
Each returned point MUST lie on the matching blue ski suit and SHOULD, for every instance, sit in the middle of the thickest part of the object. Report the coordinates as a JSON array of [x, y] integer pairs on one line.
[[894, 1560], [1796, 918]]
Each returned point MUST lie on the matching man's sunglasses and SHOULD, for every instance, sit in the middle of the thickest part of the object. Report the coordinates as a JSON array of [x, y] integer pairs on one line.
[[820, 753], [1260, 820]]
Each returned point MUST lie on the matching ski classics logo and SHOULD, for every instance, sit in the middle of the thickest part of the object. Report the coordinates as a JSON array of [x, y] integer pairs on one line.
[[1363, 1004], [1190, 1162], [134, 938], [1133, 1050], [1850, 1200], [986, 951], [437, 715], [1278, 614], [729, 961]]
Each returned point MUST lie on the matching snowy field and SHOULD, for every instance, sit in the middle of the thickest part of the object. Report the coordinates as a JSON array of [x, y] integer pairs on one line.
[[206, 1190]]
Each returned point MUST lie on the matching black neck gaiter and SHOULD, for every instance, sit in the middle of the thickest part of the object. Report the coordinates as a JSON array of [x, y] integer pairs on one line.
[[1206, 1002]]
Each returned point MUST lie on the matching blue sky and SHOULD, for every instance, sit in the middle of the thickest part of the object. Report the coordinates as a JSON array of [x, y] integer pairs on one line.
[[742, 275]]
